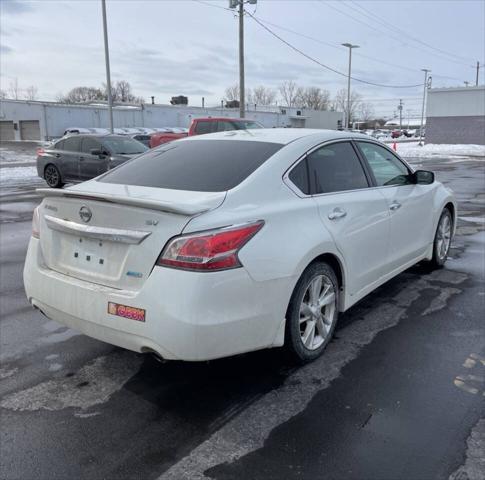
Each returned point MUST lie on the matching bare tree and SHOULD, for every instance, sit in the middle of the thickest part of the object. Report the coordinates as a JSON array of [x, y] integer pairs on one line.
[[82, 95], [121, 92], [3, 94], [31, 93], [262, 95], [13, 89], [340, 104], [366, 111], [314, 98], [232, 93], [290, 92]]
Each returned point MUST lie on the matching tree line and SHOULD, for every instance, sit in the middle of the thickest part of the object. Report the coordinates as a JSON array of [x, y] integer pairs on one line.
[[315, 98]]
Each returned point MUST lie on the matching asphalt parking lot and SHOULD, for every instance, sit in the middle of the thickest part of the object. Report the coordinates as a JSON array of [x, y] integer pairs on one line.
[[398, 394]]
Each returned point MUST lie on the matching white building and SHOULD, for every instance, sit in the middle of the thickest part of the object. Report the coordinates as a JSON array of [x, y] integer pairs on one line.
[[31, 120]]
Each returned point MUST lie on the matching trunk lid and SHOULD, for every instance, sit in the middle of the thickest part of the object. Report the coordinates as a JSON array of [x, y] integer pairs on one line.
[[112, 234]]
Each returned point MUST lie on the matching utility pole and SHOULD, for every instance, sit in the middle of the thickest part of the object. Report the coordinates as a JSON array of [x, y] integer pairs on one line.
[[108, 75], [241, 60], [478, 69], [426, 71], [242, 89], [347, 114], [399, 107]]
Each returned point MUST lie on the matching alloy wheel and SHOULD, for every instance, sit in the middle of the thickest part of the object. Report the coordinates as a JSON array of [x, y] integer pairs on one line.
[[317, 312], [443, 237], [51, 175]]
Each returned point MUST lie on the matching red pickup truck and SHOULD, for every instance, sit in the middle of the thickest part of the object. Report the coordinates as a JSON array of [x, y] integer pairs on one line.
[[199, 126]]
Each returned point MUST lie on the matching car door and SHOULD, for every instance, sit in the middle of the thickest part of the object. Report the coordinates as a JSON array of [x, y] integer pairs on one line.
[[355, 214], [69, 158], [410, 205], [92, 165]]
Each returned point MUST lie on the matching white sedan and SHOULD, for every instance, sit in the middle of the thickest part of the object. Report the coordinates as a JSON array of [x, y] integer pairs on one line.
[[221, 244]]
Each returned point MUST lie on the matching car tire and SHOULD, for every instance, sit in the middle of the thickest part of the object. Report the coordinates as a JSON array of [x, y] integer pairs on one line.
[[442, 239], [312, 313], [52, 176]]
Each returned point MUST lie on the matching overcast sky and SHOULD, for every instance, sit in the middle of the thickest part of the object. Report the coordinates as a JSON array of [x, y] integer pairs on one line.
[[172, 47]]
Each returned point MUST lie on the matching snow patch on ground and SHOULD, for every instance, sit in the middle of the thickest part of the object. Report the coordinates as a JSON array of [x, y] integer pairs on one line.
[[413, 150], [93, 384], [8, 156], [18, 176]]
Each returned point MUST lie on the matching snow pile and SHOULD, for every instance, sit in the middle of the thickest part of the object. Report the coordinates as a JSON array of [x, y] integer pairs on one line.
[[413, 150]]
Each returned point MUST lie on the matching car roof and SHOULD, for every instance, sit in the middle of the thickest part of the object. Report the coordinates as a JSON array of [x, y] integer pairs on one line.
[[278, 135], [95, 135]]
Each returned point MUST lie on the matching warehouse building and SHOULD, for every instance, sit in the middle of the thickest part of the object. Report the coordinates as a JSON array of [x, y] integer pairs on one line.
[[456, 115], [29, 120]]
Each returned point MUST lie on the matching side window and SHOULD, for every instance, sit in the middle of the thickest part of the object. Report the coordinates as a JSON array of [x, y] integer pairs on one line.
[[223, 126], [335, 168], [203, 127], [59, 145], [72, 144], [299, 176], [89, 144], [387, 169]]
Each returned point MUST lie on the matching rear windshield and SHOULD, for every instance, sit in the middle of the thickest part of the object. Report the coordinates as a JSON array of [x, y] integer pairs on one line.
[[195, 165]]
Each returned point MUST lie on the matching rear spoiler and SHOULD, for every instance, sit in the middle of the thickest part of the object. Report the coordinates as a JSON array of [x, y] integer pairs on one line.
[[164, 206]]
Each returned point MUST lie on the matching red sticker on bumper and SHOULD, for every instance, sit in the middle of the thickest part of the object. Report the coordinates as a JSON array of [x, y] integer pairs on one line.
[[131, 313]]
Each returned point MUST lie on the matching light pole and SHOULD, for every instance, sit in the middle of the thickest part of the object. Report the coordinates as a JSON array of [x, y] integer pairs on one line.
[[426, 71], [347, 115], [108, 75]]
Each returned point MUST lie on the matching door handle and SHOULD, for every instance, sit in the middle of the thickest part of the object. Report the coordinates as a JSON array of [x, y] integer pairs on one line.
[[336, 214], [57, 155], [81, 159], [395, 206]]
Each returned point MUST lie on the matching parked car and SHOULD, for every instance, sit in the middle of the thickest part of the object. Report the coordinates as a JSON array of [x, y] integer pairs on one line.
[[380, 134], [228, 243], [200, 126], [79, 157], [396, 133]]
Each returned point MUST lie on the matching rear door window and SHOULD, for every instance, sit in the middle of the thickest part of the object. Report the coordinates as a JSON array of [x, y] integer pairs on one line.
[[195, 165], [205, 127], [59, 145], [335, 168], [72, 144]]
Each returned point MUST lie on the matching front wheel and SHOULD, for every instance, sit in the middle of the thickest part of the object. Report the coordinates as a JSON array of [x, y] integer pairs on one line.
[[312, 313], [52, 176], [442, 239]]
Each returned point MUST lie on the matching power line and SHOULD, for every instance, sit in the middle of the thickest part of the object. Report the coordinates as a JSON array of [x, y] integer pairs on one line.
[[338, 47], [322, 64], [358, 20], [390, 26]]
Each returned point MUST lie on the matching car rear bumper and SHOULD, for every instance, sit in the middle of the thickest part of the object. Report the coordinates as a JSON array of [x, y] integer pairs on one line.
[[189, 315]]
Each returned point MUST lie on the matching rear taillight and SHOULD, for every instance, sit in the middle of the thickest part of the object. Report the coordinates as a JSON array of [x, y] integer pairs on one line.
[[40, 151], [210, 250], [36, 223]]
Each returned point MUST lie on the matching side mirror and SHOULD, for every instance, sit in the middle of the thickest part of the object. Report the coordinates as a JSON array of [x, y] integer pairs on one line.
[[98, 153], [423, 177]]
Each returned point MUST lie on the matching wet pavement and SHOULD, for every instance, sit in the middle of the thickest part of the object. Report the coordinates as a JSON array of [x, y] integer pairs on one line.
[[398, 394]]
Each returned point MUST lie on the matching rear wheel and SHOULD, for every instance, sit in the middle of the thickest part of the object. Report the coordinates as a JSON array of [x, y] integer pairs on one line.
[[312, 313], [52, 176], [442, 239]]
